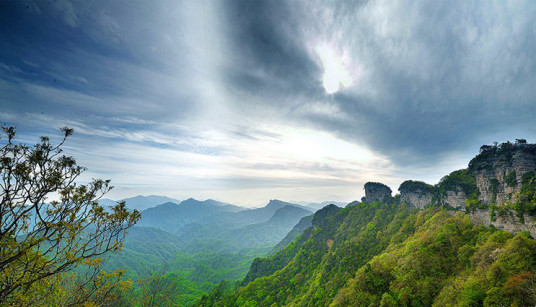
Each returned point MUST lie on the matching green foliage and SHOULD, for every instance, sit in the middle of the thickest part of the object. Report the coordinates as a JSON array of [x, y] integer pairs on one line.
[[510, 178], [493, 185], [386, 255], [503, 152], [461, 179], [493, 213], [206, 258], [311, 271], [42, 243], [473, 203], [448, 261], [417, 187], [527, 178], [188, 276]]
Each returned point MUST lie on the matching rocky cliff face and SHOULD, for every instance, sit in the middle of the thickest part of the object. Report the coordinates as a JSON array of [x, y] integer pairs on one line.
[[499, 170], [417, 193], [497, 175], [508, 222], [416, 200], [375, 191], [455, 199]]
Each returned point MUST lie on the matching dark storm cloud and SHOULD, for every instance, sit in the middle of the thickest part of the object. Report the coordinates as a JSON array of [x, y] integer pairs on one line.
[[268, 58], [438, 76]]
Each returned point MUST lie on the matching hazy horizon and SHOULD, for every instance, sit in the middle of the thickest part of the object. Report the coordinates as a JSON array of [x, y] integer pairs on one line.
[[243, 102], [245, 205]]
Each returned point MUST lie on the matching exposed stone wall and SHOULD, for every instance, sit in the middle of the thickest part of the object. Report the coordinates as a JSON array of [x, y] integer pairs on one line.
[[503, 192], [497, 168], [417, 199], [375, 191], [510, 222], [417, 194], [455, 199], [492, 170]]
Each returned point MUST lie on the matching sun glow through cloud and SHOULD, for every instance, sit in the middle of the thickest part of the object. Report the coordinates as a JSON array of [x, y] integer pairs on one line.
[[335, 74], [322, 147]]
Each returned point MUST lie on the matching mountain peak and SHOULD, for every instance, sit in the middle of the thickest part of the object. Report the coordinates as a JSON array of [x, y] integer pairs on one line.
[[288, 212], [279, 203], [323, 214]]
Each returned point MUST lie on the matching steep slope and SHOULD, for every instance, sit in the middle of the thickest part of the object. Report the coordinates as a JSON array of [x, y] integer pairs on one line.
[[339, 242], [499, 170], [494, 177], [498, 188], [448, 262], [297, 230], [386, 255], [254, 216], [144, 248]]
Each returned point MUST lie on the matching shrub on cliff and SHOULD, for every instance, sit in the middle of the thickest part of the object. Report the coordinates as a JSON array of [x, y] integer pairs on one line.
[[461, 179], [417, 187]]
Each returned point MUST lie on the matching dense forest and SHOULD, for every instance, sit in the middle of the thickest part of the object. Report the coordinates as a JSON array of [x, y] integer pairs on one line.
[[386, 254]]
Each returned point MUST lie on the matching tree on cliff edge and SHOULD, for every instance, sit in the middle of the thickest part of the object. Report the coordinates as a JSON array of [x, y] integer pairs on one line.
[[41, 243]]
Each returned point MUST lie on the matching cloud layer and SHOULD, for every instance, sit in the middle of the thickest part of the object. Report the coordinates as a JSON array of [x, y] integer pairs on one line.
[[248, 101]]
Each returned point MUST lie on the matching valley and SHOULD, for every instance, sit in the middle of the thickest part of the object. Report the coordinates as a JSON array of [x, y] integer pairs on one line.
[[194, 245]]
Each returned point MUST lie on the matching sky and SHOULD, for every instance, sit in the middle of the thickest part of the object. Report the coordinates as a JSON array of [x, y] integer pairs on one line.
[[247, 101]]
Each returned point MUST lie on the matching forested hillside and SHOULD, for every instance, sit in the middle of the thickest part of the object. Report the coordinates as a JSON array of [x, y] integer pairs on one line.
[[387, 254], [466, 241]]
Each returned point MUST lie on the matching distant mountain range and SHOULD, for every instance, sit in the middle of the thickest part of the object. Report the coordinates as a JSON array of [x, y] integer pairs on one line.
[[204, 241], [171, 217], [194, 226], [215, 226], [140, 202]]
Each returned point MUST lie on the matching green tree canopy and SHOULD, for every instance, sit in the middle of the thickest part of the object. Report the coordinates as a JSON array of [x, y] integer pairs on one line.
[[40, 241]]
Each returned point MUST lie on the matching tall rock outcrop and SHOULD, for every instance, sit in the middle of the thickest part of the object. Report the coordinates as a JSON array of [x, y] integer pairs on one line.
[[456, 187], [375, 191], [500, 175], [417, 193], [499, 171]]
